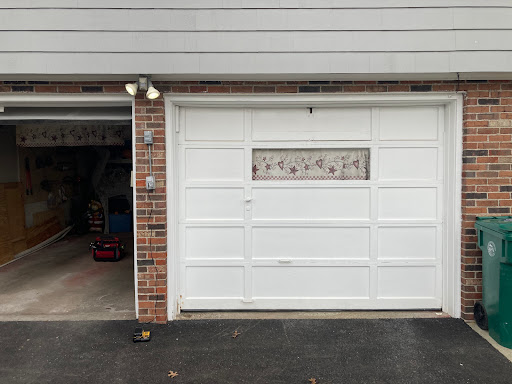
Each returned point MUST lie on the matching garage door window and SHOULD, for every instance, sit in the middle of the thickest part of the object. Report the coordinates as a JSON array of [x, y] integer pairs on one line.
[[310, 164]]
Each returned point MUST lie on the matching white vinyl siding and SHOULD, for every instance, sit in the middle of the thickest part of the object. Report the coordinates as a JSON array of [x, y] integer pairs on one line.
[[242, 4], [261, 38], [214, 20]]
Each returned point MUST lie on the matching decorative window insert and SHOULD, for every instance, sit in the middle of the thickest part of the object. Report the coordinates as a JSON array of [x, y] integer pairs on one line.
[[310, 164], [65, 135]]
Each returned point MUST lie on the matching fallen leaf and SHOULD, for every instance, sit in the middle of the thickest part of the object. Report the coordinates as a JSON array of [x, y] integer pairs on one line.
[[172, 374], [235, 334], [312, 381]]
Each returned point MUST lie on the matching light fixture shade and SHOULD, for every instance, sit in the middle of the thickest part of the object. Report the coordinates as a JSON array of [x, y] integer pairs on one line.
[[152, 93], [131, 88]]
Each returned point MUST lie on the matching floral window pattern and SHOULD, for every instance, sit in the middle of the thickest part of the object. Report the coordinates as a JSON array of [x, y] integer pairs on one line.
[[53, 135], [310, 164]]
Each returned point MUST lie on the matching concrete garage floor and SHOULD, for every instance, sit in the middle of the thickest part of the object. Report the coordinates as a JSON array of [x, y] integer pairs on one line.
[[347, 351], [63, 282]]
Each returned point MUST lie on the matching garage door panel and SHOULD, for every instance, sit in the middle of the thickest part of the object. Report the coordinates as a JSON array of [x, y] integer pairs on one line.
[[213, 282], [254, 239], [293, 124], [408, 163], [302, 203], [207, 164], [310, 243], [213, 124], [408, 203], [406, 282], [214, 203], [409, 123], [314, 282], [408, 243], [214, 242]]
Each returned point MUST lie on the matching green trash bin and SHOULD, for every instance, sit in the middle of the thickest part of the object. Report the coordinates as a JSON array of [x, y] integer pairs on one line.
[[495, 310]]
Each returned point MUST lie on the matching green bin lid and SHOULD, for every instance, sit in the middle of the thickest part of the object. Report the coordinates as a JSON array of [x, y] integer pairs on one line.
[[500, 224]]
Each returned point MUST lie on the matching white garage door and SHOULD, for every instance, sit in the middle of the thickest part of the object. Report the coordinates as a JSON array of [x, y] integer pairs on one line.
[[299, 208]]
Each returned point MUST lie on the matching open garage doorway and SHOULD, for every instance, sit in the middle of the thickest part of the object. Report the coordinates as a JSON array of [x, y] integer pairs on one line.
[[65, 183]]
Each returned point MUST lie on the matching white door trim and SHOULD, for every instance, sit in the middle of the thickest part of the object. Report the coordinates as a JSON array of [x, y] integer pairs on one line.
[[453, 103], [82, 100]]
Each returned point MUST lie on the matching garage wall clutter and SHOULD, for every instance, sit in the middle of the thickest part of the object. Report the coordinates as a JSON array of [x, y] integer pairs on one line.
[[219, 202], [51, 170]]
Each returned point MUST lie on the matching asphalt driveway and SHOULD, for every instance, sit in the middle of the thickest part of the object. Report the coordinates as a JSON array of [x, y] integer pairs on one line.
[[265, 351]]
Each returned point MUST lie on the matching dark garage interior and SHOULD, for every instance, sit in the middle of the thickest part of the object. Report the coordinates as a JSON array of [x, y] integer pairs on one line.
[[65, 182]]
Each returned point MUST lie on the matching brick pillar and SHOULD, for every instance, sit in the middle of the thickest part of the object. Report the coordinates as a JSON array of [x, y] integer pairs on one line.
[[486, 177], [151, 212]]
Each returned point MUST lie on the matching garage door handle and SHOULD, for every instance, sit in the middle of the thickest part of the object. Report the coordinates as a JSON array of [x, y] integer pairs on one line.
[[285, 261], [248, 199]]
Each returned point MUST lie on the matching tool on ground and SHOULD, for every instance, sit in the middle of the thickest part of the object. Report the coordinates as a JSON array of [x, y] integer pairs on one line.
[[107, 248], [141, 335]]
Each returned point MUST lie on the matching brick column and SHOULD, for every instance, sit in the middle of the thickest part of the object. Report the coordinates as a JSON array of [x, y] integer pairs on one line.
[[151, 211], [486, 177]]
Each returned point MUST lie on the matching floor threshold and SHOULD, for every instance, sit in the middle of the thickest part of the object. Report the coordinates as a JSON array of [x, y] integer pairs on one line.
[[253, 315]]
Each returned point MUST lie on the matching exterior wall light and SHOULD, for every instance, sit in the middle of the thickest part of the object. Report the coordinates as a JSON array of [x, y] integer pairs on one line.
[[152, 92], [132, 88], [144, 84]]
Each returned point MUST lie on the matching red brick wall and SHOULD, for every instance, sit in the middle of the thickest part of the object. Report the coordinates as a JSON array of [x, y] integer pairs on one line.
[[487, 160], [151, 211]]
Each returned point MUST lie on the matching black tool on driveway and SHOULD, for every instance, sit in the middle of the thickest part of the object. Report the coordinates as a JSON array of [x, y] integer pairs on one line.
[[141, 335]]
